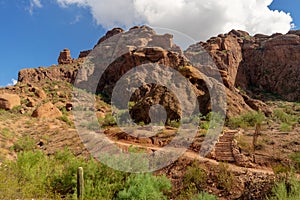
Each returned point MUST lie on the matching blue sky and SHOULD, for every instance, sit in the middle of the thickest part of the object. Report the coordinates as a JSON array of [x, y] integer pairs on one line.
[[33, 40], [33, 32]]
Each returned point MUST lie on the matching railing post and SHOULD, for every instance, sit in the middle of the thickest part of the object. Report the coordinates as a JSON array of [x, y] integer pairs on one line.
[[80, 183]]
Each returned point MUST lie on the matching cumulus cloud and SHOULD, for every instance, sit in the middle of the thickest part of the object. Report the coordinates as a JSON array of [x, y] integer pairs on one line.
[[109, 13], [199, 19], [13, 82], [34, 4]]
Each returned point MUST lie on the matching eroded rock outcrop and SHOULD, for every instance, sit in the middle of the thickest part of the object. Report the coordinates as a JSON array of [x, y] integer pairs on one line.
[[259, 63], [53, 73], [65, 57], [9, 101]]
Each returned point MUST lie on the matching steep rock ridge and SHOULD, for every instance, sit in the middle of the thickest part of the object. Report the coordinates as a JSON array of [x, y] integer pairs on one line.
[[260, 62]]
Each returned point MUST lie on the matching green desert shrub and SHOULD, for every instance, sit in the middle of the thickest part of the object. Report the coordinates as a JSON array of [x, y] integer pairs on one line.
[[285, 127], [65, 119], [35, 175], [174, 123], [281, 116], [295, 157], [194, 181], [249, 119], [195, 177], [145, 186], [108, 120], [225, 178], [24, 144], [286, 190], [26, 177], [101, 182], [7, 133], [204, 196], [211, 120]]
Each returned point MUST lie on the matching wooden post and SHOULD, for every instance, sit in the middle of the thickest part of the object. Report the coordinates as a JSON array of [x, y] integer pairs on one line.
[[80, 183]]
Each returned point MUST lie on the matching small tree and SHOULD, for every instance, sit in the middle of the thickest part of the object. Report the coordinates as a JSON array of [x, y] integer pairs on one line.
[[251, 119], [257, 121]]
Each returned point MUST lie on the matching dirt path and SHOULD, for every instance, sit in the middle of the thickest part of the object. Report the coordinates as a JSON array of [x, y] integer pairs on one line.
[[195, 156]]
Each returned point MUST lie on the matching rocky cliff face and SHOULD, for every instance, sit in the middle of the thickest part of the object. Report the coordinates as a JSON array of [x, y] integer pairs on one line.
[[259, 63], [253, 63], [54, 73], [152, 48]]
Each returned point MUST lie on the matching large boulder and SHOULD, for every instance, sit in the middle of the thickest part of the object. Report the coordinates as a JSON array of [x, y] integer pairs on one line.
[[38, 92], [9, 101], [47, 110]]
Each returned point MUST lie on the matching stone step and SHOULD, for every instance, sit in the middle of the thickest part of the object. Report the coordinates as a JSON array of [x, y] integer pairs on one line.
[[225, 157], [224, 142], [225, 145], [226, 138], [222, 150], [228, 159], [227, 135], [225, 153]]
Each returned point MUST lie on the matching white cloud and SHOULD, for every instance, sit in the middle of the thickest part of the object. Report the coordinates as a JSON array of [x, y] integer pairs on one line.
[[34, 4], [199, 19], [109, 13], [13, 82]]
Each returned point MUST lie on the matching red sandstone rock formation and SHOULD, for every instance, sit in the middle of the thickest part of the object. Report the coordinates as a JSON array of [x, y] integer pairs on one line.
[[254, 63], [65, 57]]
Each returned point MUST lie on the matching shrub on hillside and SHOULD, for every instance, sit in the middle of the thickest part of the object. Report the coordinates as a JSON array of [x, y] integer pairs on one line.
[[250, 119], [145, 186], [286, 190], [204, 196], [36, 175]]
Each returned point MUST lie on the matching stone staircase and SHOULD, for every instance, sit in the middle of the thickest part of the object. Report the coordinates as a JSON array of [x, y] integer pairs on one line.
[[223, 148]]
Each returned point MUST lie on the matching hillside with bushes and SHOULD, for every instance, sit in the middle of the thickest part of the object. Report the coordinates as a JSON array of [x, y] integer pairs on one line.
[[255, 156]]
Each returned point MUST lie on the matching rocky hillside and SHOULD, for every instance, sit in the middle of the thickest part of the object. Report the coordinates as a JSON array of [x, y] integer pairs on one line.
[[253, 72]]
